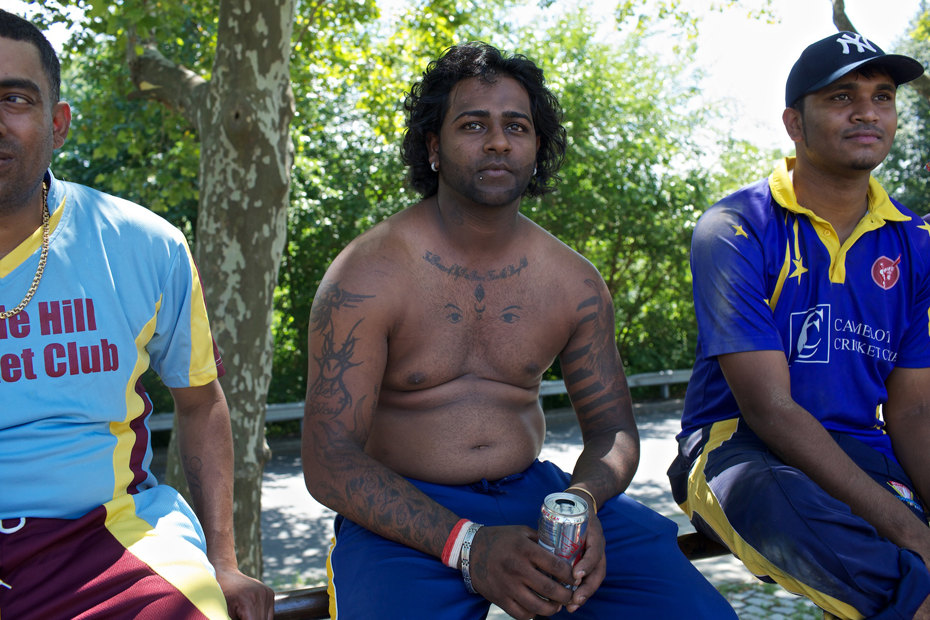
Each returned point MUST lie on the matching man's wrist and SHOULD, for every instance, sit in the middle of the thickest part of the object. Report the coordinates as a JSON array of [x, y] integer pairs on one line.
[[466, 556], [222, 560], [453, 549], [584, 494]]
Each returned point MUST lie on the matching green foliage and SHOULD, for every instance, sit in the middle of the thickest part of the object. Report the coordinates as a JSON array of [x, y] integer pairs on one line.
[[634, 181], [340, 188], [638, 173], [630, 193], [133, 148], [347, 174], [906, 172]]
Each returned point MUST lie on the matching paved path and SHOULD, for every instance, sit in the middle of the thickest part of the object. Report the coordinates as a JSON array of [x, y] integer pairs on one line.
[[296, 529]]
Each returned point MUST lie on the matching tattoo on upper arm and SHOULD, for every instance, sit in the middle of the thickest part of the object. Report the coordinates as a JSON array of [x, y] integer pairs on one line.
[[596, 358], [370, 494], [335, 358]]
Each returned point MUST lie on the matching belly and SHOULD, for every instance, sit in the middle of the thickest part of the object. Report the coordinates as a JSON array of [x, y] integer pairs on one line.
[[458, 436]]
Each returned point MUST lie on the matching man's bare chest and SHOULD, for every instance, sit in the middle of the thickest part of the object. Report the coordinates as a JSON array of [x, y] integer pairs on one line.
[[506, 323]]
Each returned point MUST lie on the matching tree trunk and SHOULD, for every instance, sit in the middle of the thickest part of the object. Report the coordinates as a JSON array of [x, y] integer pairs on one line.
[[242, 115]]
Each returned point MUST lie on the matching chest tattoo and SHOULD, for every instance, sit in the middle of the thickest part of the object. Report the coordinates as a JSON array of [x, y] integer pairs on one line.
[[509, 312], [479, 300], [460, 272]]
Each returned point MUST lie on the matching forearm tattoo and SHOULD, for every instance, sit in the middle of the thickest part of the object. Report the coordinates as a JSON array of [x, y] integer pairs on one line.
[[362, 489]]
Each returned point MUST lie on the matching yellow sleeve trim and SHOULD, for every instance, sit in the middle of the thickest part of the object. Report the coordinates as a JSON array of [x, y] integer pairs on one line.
[[202, 368]]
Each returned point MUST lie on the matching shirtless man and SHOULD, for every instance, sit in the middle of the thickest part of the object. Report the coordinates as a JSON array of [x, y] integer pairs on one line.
[[429, 337]]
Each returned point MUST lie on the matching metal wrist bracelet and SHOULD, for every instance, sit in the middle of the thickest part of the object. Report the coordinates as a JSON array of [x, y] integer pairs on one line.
[[593, 505], [466, 556]]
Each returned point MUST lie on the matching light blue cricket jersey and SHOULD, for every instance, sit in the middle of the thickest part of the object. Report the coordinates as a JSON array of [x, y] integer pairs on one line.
[[771, 275], [120, 293]]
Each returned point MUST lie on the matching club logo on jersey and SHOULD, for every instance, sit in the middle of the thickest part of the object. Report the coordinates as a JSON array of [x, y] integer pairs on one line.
[[810, 335], [885, 272]]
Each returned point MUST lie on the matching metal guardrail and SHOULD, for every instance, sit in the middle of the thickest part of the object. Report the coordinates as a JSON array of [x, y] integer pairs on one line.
[[284, 412], [275, 412]]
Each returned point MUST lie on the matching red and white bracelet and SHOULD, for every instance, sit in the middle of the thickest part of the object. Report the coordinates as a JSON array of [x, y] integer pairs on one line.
[[453, 547]]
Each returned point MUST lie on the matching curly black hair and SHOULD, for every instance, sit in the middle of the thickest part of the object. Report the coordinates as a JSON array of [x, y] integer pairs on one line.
[[428, 100]]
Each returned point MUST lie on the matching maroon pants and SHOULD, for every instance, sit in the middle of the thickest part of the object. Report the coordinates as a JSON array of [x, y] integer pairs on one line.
[[54, 569]]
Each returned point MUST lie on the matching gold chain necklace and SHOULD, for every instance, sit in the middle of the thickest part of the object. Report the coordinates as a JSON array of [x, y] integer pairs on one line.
[[41, 268]]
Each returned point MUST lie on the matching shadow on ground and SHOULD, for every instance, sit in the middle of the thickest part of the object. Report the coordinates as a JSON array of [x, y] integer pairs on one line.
[[296, 530]]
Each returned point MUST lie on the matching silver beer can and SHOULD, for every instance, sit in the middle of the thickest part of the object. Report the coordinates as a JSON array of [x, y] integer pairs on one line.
[[563, 524]]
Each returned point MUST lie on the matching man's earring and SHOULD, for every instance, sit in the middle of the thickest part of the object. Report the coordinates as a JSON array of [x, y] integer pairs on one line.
[[434, 166]]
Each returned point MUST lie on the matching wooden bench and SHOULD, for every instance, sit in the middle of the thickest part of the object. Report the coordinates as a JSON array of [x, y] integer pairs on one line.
[[301, 604], [313, 603]]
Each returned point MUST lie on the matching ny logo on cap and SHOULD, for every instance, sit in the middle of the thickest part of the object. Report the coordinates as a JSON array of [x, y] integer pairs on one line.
[[858, 40]]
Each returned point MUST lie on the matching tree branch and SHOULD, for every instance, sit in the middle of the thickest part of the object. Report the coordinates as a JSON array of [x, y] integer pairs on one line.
[[840, 19], [157, 78], [922, 86]]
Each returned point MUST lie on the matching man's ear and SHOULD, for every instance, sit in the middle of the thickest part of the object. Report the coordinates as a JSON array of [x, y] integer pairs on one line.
[[61, 123], [432, 146], [794, 124]]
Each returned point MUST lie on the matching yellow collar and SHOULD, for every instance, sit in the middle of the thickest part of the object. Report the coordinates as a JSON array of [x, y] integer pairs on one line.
[[880, 204]]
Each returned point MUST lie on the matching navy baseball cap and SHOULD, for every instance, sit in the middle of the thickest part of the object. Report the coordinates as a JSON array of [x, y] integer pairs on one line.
[[829, 59]]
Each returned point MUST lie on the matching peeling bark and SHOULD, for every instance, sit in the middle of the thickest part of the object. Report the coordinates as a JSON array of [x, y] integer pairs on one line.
[[242, 116]]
